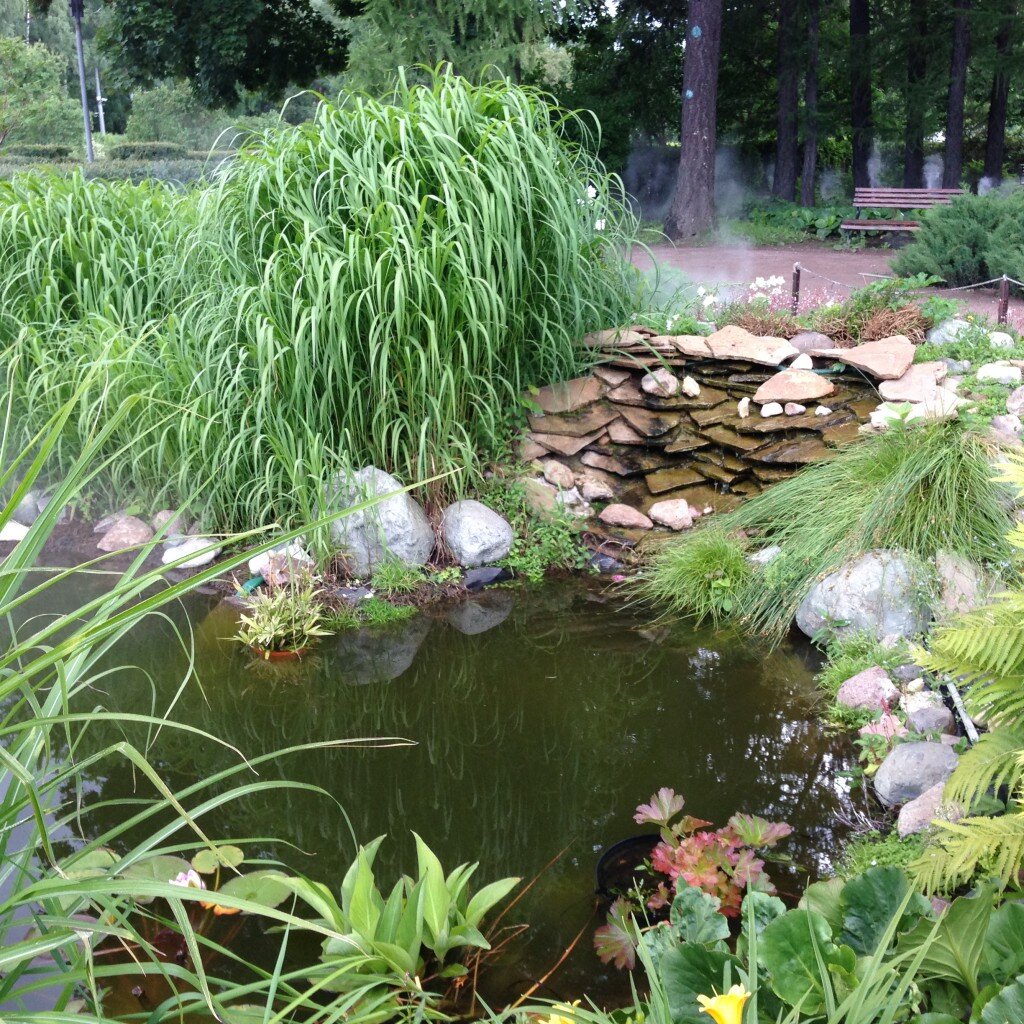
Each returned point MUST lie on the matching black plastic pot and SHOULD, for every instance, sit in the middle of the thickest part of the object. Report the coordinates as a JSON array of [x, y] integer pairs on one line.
[[619, 864]]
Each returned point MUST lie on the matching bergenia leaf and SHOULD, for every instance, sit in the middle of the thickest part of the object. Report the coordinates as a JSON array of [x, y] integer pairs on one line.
[[663, 806], [615, 942], [756, 832]]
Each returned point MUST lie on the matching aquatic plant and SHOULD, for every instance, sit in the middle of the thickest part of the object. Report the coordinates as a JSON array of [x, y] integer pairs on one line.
[[375, 286], [287, 618], [917, 488]]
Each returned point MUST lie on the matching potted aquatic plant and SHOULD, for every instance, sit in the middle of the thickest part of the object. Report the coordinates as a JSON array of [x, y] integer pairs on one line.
[[283, 622]]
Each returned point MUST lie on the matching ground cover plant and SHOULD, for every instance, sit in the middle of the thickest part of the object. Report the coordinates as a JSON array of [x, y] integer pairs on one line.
[[377, 285], [920, 489]]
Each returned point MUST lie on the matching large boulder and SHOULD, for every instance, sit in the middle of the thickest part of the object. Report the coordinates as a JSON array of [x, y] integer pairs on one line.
[[878, 593], [911, 769], [475, 534], [394, 528]]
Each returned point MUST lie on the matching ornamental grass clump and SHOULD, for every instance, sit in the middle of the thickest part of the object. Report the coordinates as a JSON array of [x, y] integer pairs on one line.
[[378, 285], [917, 488]]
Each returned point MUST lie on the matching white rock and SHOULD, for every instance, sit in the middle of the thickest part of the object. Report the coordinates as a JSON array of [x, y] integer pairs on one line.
[[823, 410], [947, 331], [127, 532], [674, 513], [1000, 339], [766, 555], [794, 409], [661, 383], [771, 409], [570, 497], [802, 362], [201, 549], [743, 408], [11, 532], [477, 535], [279, 559], [690, 387], [915, 685], [1001, 373], [594, 489]]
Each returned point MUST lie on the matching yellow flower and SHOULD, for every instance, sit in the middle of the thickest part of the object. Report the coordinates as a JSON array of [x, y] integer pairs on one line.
[[559, 1009], [727, 1008]]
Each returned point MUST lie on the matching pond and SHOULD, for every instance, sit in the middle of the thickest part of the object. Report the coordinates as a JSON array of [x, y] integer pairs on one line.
[[538, 719]]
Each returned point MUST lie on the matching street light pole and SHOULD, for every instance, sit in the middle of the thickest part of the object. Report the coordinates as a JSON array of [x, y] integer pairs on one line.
[[99, 103], [77, 9]]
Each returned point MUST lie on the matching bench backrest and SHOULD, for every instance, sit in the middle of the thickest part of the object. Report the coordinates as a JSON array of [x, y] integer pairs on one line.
[[904, 198]]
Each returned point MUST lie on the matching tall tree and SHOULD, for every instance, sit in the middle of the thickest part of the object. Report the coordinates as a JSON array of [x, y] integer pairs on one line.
[[916, 95], [810, 167], [953, 160], [692, 211], [995, 137], [788, 83], [860, 90]]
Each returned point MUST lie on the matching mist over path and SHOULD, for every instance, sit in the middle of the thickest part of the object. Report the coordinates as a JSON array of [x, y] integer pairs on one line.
[[721, 264]]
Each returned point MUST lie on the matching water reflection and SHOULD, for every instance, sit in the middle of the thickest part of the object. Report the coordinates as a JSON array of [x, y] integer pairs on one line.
[[540, 718]]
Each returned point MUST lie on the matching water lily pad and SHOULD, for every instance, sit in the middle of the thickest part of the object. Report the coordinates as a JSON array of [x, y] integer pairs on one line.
[[207, 861], [263, 887]]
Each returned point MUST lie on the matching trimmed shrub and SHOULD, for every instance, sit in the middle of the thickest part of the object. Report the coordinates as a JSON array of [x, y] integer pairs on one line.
[[39, 151], [147, 151], [175, 172]]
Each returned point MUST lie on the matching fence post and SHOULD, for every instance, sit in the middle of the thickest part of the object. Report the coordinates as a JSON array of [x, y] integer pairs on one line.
[[795, 302], [1004, 299]]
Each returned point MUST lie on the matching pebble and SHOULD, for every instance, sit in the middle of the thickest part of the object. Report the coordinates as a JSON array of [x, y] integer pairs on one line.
[[661, 383], [559, 475], [771, 409], [691, 388], [823, 410], [743, 408], [802, 362], [194, 546], [794, 409]]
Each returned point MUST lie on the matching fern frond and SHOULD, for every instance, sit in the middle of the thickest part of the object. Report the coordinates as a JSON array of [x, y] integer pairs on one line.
[[997, 759], [958, 851], [985, 642]]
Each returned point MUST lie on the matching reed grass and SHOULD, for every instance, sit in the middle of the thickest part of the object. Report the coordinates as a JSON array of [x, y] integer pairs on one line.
[[376, 286]]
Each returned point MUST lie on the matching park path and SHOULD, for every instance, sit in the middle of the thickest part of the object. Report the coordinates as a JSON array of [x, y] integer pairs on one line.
[[829, 273]]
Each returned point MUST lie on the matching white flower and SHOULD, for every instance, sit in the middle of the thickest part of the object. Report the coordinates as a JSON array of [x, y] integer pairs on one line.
[[188, 879], [599, 224], [759, 282], [709, 300], [591, 192], [701, 290]]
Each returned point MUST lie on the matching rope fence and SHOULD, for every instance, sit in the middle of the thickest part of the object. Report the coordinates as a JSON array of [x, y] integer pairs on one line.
[[1004, 283]]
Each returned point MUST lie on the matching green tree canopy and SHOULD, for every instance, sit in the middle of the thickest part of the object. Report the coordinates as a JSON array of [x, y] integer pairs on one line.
[[34, 104]]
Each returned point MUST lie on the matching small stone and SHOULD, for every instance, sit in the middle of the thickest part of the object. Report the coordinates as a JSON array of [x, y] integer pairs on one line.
[[794, 409], [871, 689], [743, 408], [27, 510], [485, 576], [625, 516], [1001, 373], [911, 769], [570, 497], [12, 532], [594, 488], [823, 410], [675, 514], [127, 532], [202, 550], [766, 555], [604, 563], [1007, 427], [691, 388], [277, 564], [1000, 339], [104, 524], [174, 521], [771, 409], [919, 814], [1015, 401], [926, 713], [916, 685], [540, 495], [957, 366], [559, 474], [809, 341], [802, 362], [476, 534], [947, 331], [661, 383]]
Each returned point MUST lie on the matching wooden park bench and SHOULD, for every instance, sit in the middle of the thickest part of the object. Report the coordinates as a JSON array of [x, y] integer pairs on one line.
[[895, 199]]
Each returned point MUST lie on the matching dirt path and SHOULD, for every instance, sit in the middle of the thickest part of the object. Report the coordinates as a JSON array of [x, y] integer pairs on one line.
[[828, 273]]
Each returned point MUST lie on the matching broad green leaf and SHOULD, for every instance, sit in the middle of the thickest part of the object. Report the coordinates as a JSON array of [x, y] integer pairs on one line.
[[387, 925], [206, 861], [869, 902], [762, 909], [1007, 1007], [691, 970], [955, 952], [825, 898], [488, 897], [266, 887], [1004, 943], [695, 917], [936, 1018], [368, 852], [399, 958], [161, 868], [436, 901], [455, 971], [457, 880], [788, 953], [365, 903], [409, 934]]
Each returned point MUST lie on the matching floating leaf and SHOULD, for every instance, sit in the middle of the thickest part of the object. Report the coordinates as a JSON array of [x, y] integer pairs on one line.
[[207, 861], [263, 887]]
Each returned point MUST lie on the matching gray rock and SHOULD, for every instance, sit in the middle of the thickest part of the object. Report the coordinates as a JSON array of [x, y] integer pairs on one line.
[[912, 769], [482, 613], [126, 532], [353, 595], [27, 510], [1000, 373], [963, 586], [63, 516], [947, 331], [808, 341], [485, 576], [919, 814], [475, 534], [957, 367], [174, 524], [395, 527], [906, 673], [202, 550], [926, 713], [871, 689], [379, 654], [104, 524], [1015, 402], [765, 555], [604, 563], [1000, 339], [879, 593]]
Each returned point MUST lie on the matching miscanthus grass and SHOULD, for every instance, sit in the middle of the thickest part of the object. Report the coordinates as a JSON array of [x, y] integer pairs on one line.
[[378, 285], [921, 489]]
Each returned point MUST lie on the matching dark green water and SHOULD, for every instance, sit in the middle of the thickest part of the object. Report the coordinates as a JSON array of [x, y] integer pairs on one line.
[[540, 718]]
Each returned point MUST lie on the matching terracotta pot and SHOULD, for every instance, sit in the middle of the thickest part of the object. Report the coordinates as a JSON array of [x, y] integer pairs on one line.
[[278, 655]]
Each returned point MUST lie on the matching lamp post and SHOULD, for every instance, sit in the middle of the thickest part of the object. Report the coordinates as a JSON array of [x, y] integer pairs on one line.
[[77, 9]]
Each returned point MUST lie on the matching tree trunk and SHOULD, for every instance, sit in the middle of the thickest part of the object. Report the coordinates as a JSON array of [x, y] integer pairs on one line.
[[917, 68], [788, 78], [953, 161], [692, 211], [995, 139], [860, 90], [810, 168]]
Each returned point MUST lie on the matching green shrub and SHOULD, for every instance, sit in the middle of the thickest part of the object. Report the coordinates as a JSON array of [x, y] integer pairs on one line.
[[138, 172], [147, 151], [43, 152], [848, 655], [169, 110], [875, 849]]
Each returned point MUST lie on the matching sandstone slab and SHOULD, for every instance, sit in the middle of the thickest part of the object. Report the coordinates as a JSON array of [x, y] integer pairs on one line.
[[736, 343], [625, 516], [568, 395], [888, 359], [918, 384], [675, 514], [794, 386]]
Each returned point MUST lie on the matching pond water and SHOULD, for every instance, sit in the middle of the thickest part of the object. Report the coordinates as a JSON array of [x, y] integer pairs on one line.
[[538, 719]]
